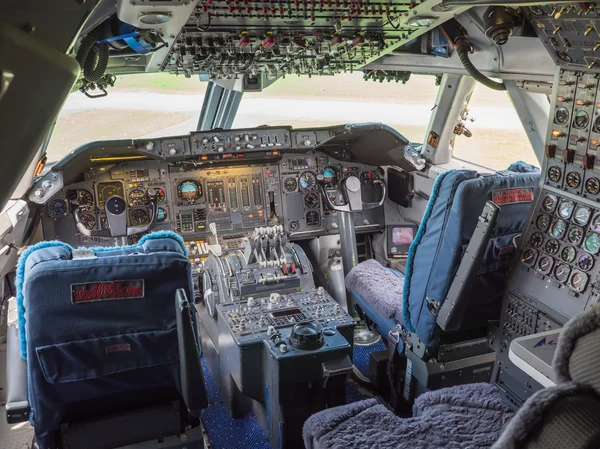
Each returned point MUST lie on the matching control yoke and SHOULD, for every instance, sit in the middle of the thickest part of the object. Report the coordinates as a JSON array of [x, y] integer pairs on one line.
[[116, 215], [351, 194]]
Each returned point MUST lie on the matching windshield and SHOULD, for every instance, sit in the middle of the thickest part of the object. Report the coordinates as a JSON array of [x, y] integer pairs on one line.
[[161, 105]]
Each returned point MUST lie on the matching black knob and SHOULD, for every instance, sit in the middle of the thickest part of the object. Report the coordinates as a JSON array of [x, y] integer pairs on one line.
[[307, 335]]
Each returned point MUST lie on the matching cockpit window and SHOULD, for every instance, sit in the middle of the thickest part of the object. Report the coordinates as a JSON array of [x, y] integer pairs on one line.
[[497, 135], [138, 106], [344, 98]]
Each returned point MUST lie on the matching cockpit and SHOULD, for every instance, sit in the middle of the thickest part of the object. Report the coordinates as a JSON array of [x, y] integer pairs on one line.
[[310, 224]]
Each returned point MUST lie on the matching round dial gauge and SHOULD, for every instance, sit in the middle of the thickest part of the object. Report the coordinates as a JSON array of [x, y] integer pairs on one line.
[[162, 215], [57, 208], [582, 119], [85, 200], [568, 254], [137, 197], [554, 173], [558, 229], [596, 223], [578, 281], [139, 217], [88, 220], [575, 235], [597, 125], [156, 194], [582, 215], [189, 190], [552, 246], [585, 262], [308, 181], [592, 186], [543, 222], [544, 265], [311, 201], [290, 184], [561, 272], [573, 179], [528, 257], [536, 239], [564, 55], [331, 175], [565, 208], [536, 11], [313, 218], [549, 203], [294, 225], [592, 243], [561, 117]]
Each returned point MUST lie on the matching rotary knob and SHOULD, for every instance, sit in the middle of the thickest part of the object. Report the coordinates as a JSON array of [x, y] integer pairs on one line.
[[307, 335], [274, 298]]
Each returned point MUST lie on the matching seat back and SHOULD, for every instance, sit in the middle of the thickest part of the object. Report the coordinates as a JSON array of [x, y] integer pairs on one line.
[[457, 200], [99, 330]]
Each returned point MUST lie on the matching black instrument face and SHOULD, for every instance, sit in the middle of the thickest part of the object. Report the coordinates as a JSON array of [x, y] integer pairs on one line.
[[578, 281], [308, 181], [313, 218], [568, 254], [585, 262], [561, 116], [290, 184], [137, 197], [545, 264], [597, 125], [549, 203], [528, 257], [543, 222], [88, 220], [552, 246], [582, 215], [582, 120], [106, 190], [57, 208], [85, 200], [536, 239], [592, 186], [573, 179], [311, 201], [554, 173], [575, 235], [561, 272], [139, 217]]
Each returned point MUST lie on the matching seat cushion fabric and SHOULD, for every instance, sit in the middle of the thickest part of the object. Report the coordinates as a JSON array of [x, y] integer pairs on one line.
[[100, 326], [458, 199], [378, 286], [468, 416]]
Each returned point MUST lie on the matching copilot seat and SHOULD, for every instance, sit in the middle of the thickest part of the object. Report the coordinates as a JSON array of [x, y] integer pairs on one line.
[[445, 299], [105, 352]]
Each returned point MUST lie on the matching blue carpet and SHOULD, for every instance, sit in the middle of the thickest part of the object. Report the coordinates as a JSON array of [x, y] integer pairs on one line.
[[227, 433]]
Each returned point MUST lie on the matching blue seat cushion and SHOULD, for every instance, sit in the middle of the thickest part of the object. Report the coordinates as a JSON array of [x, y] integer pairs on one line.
[[462, 417]]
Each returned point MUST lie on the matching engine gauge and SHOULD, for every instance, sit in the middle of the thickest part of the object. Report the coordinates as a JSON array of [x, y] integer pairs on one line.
[[558, 229], [88, 220], [290, 184], [554, 173], [582, 215], [57, 208], [313, 218], [592, 243], [585, 262], [565, 209], [582, 119], [597, 125], [311, 201], [578, 281], [331, 175], [156, 194], [575, 235], [544, 265], [596, 223], [561, 272], [536, 239], [592, 186], [528, 257], [308, 181], [549, 203], [85, 200], [137, 197], [543, 222], [561, 117], [552, 246], [189, 191], [294, 225], [573, 179], [139, 217], [162, 215], [568, 254]]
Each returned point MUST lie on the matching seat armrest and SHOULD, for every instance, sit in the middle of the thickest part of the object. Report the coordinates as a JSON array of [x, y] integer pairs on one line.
[[193, 388], [17, 399]]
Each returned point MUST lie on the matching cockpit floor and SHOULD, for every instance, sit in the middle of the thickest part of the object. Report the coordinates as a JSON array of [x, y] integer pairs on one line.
[[223, 431]]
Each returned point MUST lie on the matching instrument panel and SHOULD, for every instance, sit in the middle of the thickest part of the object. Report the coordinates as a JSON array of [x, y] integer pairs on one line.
[[236, 198]]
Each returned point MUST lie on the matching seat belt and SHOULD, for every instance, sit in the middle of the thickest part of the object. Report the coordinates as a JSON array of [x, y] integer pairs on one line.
[[392, 364]]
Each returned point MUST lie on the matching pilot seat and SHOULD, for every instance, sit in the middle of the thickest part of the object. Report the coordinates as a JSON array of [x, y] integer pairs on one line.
[[435, 315], [105, 350]]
